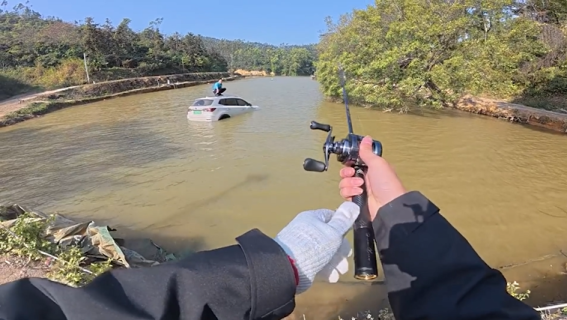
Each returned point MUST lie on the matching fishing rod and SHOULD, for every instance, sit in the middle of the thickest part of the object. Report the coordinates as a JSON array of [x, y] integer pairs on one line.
[[347, 151]]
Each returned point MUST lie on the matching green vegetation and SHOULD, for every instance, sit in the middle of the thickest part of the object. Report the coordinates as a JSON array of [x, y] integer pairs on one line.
[[513, 289], [287, 60], [44, 53], [25, 239], [432, 52]]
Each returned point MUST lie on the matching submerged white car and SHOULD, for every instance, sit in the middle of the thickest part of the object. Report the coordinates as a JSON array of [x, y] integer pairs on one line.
[[218, 108]]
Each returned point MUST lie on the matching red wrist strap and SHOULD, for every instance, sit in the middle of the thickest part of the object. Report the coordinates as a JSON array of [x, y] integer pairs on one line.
[[295, 273]]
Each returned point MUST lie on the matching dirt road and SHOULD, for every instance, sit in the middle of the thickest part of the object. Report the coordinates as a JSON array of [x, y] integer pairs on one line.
[[18, 102]]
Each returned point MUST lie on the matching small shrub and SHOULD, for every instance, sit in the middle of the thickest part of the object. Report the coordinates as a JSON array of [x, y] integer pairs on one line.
[[513, 288], [26, 239]]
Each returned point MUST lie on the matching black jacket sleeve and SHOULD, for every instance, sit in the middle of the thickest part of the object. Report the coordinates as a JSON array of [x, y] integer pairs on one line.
[[252, 280], [432, 272]]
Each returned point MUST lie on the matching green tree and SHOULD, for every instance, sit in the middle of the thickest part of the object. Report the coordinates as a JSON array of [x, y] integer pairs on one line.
[[431, 52], [36, 51]]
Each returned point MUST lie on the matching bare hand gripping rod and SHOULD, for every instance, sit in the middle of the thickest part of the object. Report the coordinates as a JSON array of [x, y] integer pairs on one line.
[[365, 261]]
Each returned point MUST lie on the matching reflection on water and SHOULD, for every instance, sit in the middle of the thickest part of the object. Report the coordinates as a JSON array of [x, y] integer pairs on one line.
[[137, 162]]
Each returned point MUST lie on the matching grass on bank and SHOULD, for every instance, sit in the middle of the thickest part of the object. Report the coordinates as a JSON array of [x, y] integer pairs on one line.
[[32, 110], [70, 72], [25, 239]]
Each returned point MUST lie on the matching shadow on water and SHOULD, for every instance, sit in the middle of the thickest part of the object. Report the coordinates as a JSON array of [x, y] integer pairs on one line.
[[328, 301], [453, 113], [347, 299], [177, 245], [549, 290], [206, 201], [127, 144], [541, 129], [436, 113]]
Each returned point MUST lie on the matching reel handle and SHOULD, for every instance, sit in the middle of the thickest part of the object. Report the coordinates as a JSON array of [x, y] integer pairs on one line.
[[314, 165], [365, 260], [319, 126]]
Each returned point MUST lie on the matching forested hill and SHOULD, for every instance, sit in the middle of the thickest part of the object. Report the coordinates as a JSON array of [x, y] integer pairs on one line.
[[283, 59], [46, 52]]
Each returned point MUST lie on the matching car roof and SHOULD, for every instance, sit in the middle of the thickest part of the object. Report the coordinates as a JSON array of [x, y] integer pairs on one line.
[[216, 100], [221, 97]]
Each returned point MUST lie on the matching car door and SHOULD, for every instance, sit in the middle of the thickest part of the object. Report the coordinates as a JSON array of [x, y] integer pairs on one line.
[[231, 106], [243, 106]]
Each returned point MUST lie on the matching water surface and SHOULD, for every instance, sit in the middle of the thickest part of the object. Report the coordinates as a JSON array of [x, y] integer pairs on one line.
[[136, 162]]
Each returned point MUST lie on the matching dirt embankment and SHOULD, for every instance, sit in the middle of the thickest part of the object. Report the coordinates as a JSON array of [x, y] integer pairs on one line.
[[253, 73], [512, 112], [28, 107]]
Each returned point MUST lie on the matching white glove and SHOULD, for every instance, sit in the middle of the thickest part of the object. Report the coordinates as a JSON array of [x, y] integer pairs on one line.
[[313, 240], [338, 264]]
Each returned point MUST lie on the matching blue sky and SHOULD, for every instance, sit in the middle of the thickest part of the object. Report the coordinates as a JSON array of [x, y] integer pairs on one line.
[[274, 22]]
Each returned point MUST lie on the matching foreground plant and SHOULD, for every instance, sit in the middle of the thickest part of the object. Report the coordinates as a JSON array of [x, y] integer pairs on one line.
[[25, 239], [513, 289]]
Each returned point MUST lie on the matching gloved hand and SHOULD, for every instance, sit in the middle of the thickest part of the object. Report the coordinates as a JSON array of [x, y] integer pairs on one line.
[[338, 264], [314, 238]]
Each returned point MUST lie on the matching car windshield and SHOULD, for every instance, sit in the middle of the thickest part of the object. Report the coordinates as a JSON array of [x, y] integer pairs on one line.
[[203, 102]]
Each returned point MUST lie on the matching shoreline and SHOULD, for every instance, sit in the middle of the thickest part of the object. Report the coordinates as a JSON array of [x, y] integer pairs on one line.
[[515, 113], [512, 112], [15, 110]]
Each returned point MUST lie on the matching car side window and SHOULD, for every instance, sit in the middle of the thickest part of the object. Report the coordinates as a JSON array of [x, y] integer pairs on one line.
[[223, 102], [241, 102], [202, 102], [231, 102]]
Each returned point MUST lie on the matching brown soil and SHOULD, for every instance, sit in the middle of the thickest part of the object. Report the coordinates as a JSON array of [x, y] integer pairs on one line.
[[13, 268], [512, 112], [109, 88], [247, 73], [20, 101]]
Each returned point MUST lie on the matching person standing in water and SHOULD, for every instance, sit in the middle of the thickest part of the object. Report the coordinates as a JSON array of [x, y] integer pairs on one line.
[[218, 89]]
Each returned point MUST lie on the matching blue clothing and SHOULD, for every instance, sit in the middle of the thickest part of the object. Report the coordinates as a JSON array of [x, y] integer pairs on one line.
[[217, 86]]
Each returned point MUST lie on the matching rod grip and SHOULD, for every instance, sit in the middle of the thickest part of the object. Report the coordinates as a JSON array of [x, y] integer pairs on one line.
[[365, 260]]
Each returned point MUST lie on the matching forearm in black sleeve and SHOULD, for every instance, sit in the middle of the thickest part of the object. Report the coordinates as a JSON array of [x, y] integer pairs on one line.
[[251, 280], [432, 272]]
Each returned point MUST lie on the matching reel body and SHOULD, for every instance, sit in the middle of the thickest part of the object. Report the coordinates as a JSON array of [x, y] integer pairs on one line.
[[345, 149]]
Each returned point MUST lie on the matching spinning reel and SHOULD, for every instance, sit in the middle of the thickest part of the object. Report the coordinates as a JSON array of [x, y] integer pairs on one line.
[[347, 151]]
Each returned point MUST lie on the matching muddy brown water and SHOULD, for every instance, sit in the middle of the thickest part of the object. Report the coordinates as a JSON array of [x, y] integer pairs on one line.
[[137, 163]]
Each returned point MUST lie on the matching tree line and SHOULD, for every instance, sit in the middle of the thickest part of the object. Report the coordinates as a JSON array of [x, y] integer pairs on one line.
[[46, 52], [432, 52], [289, 60]]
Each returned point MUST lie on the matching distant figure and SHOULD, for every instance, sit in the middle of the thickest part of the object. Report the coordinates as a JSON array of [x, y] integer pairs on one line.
[[218, 89]]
